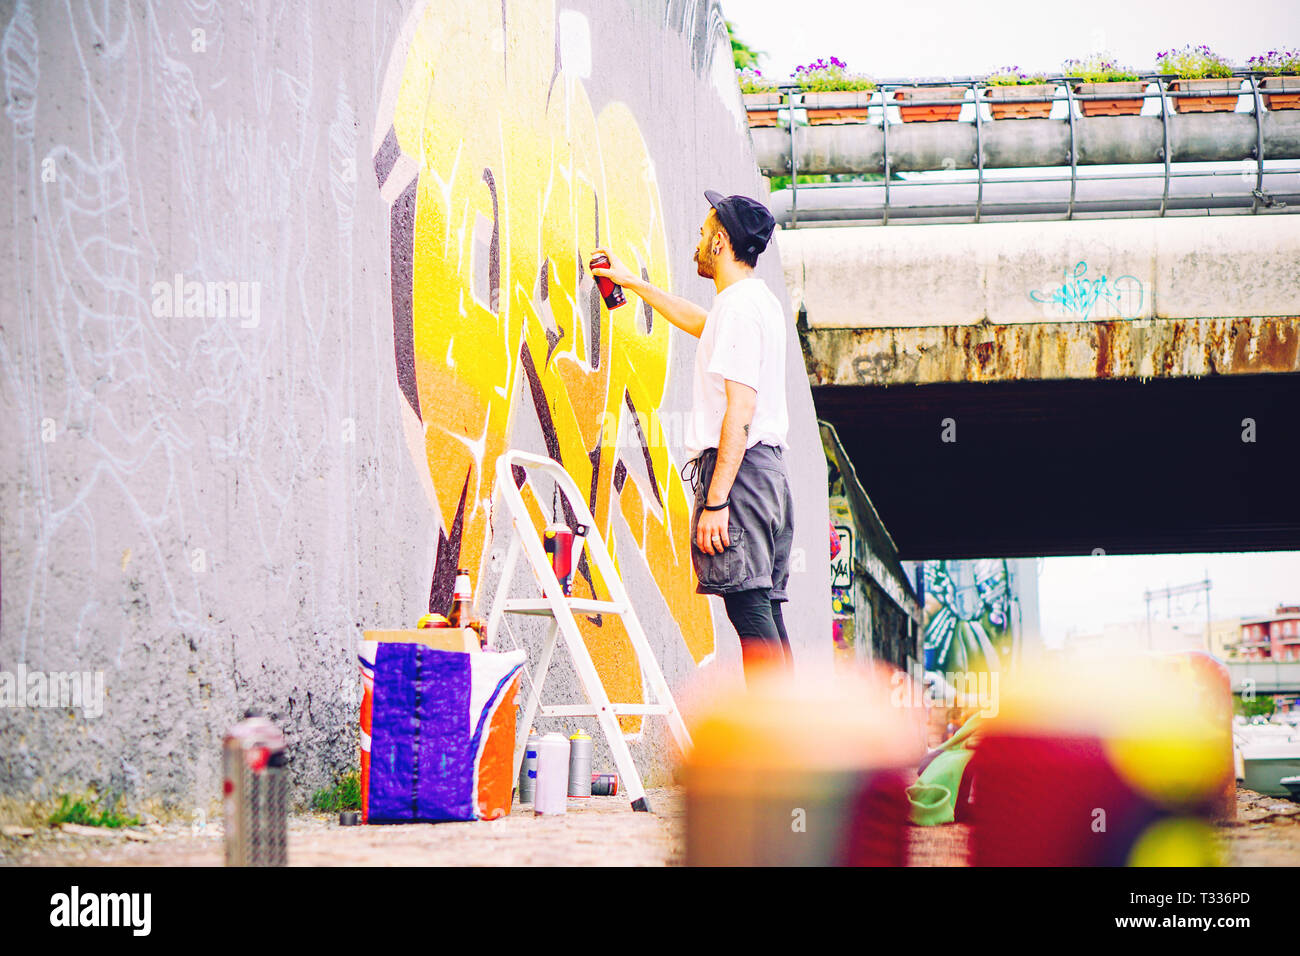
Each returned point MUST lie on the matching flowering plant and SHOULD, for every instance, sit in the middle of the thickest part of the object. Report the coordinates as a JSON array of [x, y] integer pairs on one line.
[[821, 76], [1011, 76], [752, 81], [1192, 63], [1098, 68], [1275, 62]]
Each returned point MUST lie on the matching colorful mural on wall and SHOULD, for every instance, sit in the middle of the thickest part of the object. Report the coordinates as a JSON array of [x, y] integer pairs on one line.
[[875, 615], [843, 632], [501, 180], [967, 615]]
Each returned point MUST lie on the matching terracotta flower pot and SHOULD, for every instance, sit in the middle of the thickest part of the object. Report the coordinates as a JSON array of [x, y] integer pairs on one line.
[[1024, 101], [1227, 86], [1289, 99], [846, 106], [763, 109], [1126, 106], [934, 112]]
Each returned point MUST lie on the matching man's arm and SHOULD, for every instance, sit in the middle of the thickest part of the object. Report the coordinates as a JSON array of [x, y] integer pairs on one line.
[[732, 444], [683, 313]]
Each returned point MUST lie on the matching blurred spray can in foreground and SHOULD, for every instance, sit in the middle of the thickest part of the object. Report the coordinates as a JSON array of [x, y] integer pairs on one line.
[[255, 793], [1125, 760], [801, 772]]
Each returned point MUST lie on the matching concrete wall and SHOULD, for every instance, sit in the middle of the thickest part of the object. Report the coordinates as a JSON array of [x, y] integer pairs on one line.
[[1104, 298], [206, 499], [1186, 267]]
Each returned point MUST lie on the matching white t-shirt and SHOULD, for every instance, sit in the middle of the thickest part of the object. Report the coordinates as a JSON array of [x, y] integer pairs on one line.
[[743, 340]]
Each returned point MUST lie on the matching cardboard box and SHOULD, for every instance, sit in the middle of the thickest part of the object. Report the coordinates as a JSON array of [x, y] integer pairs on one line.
[[439, 638]]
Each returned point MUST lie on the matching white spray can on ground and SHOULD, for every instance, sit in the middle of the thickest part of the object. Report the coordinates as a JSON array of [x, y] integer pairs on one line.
[[528, 770], [551, 795]]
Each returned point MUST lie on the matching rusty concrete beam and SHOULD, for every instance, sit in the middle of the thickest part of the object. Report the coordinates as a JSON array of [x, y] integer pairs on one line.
[[1152, 348]]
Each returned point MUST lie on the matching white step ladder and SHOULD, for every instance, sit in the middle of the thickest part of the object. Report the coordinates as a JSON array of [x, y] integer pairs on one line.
[[557, 605]]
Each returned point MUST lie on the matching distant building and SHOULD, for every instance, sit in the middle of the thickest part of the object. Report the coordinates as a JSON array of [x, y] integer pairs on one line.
[[1225, 635], [1135, 636], [1275, 637]]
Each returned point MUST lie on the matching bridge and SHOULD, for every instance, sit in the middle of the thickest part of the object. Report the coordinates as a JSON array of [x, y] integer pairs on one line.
[[1092, 341], [1265, 677]]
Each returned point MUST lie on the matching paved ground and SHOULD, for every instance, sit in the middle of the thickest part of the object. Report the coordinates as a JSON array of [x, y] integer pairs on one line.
[[596, 831]]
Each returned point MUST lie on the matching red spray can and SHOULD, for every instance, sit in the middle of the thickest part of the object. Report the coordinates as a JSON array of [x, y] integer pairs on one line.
[[610, 291], [559, 542]]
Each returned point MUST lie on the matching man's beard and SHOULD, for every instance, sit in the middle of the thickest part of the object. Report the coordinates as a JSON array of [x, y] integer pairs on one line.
[[704, 267]]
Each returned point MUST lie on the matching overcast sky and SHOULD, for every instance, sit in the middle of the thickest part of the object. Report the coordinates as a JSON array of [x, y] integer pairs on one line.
[[921, 38], [1085, 594]]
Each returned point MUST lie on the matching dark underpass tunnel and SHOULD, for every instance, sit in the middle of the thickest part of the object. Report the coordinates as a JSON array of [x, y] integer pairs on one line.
[[1068, 467]]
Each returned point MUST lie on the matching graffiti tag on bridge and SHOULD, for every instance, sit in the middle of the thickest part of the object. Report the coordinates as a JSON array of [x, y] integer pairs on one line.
[[1078, 297]]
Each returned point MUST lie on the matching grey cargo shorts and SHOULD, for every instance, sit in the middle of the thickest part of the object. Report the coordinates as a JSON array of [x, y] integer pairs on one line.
[[760, 523]]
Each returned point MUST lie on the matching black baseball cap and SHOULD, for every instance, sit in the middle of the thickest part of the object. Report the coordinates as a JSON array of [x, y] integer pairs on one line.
[[747, 221]]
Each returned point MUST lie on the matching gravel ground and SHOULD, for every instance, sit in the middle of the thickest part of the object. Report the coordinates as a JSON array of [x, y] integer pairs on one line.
[[596, 831], [1265, 833]]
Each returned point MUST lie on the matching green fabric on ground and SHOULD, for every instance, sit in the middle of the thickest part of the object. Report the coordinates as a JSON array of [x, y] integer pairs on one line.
[[934, 796]]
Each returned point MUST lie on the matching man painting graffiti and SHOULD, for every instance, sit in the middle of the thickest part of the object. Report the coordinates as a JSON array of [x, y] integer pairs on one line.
[[742, 524]]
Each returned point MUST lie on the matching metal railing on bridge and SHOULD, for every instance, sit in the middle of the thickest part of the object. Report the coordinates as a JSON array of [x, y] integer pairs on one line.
[[1248, 137]]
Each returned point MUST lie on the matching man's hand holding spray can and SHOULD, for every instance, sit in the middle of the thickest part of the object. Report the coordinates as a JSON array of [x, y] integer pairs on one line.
[[610, 291]]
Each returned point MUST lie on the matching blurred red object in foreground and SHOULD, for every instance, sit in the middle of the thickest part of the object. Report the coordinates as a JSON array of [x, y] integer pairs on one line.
[[1122, 761]]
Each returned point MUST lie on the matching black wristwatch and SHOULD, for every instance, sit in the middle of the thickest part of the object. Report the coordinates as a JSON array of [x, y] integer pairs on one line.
[[725, 504]]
